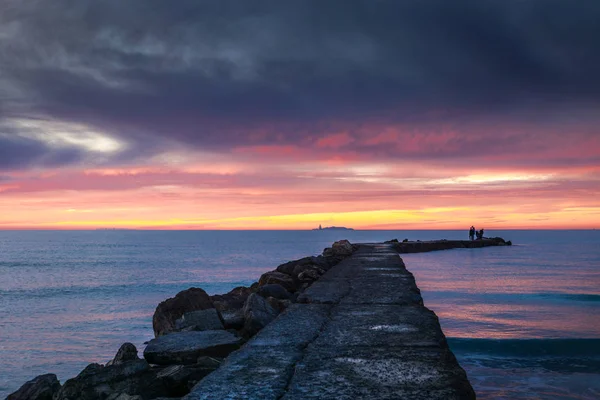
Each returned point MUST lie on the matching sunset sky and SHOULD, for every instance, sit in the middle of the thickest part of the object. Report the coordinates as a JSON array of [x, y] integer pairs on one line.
[[372, 114]]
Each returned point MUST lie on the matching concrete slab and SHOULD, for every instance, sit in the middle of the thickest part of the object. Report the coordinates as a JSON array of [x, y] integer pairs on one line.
[[380, 326], [186, 347], [325, 291], [379, 373], [391, 290], [296, 327], [249, 373]]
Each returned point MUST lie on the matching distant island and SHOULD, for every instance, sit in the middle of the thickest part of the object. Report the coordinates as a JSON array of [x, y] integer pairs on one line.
[[333, 228]]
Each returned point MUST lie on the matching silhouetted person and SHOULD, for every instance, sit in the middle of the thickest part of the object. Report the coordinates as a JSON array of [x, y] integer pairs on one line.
[[472, 233], [480, 234]]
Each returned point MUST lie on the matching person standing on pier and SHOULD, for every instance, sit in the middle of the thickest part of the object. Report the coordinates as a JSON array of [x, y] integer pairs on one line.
[[472, 233], [480, 234]]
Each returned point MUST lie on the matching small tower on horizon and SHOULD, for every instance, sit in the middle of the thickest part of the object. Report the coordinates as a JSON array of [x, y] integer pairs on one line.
[[320, 228]]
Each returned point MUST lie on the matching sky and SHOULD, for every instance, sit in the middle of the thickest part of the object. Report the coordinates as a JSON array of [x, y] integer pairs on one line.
[[265, 114]]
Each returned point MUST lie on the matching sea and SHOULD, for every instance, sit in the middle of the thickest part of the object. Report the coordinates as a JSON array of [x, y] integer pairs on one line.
[[523, 321]]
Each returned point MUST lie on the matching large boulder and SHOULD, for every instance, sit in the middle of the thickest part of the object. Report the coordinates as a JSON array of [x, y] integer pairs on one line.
[[127, 352], [95, 382], [233, 300], [43, 387], [170, 310], [279, 278], [289, 267], [233, 319], [274, 290], [180, 379], [230, 306], [185, 347], [258, 313], [200, 320], [310, 275], [341, 248]]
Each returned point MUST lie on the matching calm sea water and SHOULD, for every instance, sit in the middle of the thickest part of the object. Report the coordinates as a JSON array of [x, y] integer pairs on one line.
[[524, 321]]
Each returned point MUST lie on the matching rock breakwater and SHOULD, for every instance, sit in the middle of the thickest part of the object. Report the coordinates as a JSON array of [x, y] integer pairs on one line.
[[347, 324], [194, 332]]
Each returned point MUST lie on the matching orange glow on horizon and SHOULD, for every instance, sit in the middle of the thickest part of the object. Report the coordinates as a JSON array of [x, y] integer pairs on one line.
[[293, 187]]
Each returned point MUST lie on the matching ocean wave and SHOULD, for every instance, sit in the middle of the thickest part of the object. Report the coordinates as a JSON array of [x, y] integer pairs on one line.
[[571, 296], [565, 356], [126, 288], [517, 296], [571, 348]]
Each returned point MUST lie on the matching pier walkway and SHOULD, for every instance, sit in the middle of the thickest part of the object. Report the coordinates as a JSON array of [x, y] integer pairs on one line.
[[359, 332]]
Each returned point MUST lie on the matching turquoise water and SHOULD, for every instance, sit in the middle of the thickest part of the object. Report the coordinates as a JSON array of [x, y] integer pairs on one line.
[[524, 321]]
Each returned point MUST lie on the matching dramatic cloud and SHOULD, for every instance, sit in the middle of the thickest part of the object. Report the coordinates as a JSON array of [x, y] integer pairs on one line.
[[358, 96], [230, 73]]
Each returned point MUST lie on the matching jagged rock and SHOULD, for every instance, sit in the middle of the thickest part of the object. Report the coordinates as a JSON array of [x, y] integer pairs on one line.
[[175, 378], [305, 267], [95, 382], [288, 267], [179, 379], [209, 362], [257, 314], [274, 290], [391, 241], [341, 248], [310, 275], [279, 278], [233, 300], [42, 387], [233, 319], [172, 309], [279, 305], [230, 305], [200, 320], [127, 352], [185, 347]]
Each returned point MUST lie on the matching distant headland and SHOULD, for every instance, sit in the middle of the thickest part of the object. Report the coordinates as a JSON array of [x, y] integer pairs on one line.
[[333, 228]]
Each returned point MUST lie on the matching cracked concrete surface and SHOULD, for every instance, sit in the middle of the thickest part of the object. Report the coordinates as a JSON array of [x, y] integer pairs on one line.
[[359, 332]]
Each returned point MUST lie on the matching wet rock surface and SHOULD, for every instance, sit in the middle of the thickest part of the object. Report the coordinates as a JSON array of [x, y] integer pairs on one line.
[[186, 347], [279, 278], [127, 352], [360, 331], [274, 290], [234, 300], [179, 379], [200, 320], [170, 310], [258, 313]]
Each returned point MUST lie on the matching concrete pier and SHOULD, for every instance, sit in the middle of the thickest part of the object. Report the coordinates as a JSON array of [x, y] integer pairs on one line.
[[359, 332], [434, 245]]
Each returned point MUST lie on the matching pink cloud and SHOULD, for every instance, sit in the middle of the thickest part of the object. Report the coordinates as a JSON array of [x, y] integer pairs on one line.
[[334, 141]]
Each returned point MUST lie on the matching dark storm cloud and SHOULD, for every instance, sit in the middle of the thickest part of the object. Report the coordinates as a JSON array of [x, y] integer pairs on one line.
[[219, 74]]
